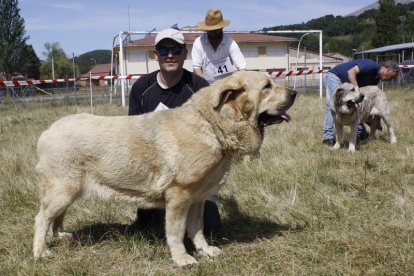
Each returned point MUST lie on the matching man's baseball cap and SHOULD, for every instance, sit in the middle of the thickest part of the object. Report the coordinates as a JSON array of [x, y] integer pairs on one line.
[[173, 34]]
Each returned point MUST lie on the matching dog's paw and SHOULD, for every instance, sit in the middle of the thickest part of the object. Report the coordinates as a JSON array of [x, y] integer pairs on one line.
[[336, 146], [44, 254], [65, 235], [351, 149], [393, 140], [184, 260], [47, 253], [210, 251]]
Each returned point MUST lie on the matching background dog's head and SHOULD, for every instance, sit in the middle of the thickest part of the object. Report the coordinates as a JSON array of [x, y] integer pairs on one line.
[[246, 103], [346, 99]]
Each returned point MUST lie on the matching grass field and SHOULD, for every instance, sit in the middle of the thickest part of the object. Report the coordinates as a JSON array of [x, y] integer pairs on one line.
[[300, 209]]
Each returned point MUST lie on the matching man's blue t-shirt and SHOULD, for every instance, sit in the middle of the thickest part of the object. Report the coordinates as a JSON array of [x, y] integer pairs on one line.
[[368, 71]]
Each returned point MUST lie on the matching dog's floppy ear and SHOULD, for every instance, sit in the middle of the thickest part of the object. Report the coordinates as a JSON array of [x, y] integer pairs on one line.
[[338, 96], [229, 89]]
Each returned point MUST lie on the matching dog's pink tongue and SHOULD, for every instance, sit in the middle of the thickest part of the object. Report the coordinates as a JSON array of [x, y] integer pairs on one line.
[[285, 117], [358, 106]]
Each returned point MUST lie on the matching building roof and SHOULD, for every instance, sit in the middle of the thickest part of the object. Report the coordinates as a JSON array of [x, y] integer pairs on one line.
[[238, 37], [338, 56], [389, 48], [98, 70]]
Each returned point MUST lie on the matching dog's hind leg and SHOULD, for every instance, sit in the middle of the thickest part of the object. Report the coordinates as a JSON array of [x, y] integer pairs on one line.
[[57, 226], [53, 205], [195, 231], [374, 124], [42, 224], [387, 119]]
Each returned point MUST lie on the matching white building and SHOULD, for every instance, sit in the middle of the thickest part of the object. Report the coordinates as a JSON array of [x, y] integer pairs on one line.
[[263, 52]]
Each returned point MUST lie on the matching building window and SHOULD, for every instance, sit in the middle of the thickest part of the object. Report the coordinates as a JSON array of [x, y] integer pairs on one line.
[[275, 51], [262, 51], [137, 57], [249, 51]]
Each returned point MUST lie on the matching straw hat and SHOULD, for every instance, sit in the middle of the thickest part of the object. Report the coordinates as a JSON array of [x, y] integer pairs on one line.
[[213, 21]]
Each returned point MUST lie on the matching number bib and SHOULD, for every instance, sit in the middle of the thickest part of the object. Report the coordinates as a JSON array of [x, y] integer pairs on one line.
[[220, 67]]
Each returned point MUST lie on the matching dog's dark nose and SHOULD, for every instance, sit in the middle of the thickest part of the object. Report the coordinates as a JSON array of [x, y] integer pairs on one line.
[[293, 93], [361, 97]]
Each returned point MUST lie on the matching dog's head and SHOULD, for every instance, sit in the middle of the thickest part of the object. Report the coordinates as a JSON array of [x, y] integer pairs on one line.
[[346, 99], [247, 102]]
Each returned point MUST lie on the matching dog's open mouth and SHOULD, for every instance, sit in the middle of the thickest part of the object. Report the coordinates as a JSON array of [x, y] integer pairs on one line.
[[266, 119], [352, 103], [356, 103]]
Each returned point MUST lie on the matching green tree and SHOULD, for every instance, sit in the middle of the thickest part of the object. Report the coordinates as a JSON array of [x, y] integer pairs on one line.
[[31, 68], [408, 27], [57, 64], [386, 22], [12, 38]]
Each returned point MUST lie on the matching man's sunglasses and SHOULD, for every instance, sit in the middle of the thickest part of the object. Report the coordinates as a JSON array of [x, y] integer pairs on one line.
[[164, 51]]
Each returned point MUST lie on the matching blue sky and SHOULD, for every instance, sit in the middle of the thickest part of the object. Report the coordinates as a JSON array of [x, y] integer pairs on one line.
[[81, 26]]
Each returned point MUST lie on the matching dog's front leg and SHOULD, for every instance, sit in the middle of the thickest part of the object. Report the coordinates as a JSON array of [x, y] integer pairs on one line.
[[353, 136], [195, 231], [176, 211], [339, 133]]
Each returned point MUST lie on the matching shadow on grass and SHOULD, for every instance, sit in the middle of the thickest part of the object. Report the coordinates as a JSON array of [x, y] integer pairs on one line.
[[101, 232], [238, 227]]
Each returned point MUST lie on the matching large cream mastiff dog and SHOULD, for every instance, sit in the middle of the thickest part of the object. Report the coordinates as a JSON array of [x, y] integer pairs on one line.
[[172, 159], [350, 106]]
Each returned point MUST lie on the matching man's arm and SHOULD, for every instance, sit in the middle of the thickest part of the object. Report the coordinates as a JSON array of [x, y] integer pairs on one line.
[[237, 56], [352, 75], [135, 107], [197, 57]]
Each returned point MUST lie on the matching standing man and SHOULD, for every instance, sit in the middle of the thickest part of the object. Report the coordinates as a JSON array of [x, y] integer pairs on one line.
[[359, 72], [214, 53], [166, 88]]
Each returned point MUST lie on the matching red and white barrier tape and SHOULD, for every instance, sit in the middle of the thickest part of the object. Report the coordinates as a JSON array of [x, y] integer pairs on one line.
[[31, 82], [275, 74], [284, 73]]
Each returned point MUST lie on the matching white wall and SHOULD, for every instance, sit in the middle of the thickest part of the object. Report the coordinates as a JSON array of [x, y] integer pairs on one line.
[[275, 56]]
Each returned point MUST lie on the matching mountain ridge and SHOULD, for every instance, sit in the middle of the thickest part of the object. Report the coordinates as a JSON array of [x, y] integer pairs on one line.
[[375, 6]]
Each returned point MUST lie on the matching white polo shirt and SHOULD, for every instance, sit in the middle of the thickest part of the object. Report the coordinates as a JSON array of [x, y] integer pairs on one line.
[[220, 63]]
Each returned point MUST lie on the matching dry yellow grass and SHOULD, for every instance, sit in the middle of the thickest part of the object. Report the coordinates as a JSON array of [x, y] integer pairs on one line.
[[299, 209]]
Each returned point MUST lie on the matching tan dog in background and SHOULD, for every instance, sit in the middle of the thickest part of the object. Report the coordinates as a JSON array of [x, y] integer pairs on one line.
[[350, 106], [174, 159]]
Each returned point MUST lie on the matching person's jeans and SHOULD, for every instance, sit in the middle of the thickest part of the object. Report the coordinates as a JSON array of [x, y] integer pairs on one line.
[[331, 83]]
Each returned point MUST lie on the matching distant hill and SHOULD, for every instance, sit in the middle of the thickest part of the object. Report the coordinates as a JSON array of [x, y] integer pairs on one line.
[[86, 61], [375, 6], [344, 34]]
